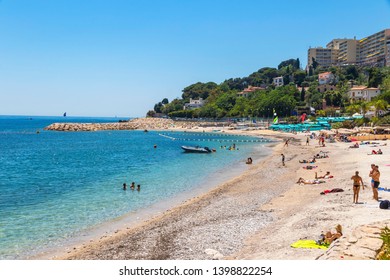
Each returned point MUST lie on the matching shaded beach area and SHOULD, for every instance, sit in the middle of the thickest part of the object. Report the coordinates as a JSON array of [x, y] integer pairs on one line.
[[260, 213]]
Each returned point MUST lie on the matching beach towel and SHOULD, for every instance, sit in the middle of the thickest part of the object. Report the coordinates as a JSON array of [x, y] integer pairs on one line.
[[308, 244], [332, 191]]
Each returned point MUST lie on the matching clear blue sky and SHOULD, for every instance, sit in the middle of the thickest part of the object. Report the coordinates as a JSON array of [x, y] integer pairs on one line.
[[120, 57]]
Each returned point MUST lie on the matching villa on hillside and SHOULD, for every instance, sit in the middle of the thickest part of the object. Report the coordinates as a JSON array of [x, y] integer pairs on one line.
[[362, 93], [194, 104], [326, 78], [325, 87], [248, 90], [278, 81]]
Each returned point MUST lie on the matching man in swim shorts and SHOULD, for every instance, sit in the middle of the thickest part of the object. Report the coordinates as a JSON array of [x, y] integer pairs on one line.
[[375, 177], [356, 186]]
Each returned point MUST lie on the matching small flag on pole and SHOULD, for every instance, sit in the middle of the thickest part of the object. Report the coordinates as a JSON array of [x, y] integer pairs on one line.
[[275, 117]]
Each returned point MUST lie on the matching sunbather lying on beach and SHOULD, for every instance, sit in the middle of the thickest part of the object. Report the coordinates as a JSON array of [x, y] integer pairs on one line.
[[332, 191], [309, 167], [317, 156], [326, 176], [308, 161], [310, 182], [373, 152]]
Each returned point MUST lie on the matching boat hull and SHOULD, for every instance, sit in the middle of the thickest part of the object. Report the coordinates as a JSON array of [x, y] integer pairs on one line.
[[203, 150]]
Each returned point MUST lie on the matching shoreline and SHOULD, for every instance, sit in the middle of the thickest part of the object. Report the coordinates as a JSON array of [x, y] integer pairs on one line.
[[256, 215], [139, 217], [220, 194]]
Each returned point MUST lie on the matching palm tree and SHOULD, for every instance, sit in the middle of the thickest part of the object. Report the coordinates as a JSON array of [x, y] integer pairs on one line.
[[364, 107], [354, 108], [379, 105]]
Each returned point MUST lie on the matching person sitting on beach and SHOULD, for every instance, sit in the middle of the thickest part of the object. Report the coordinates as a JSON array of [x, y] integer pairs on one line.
[[249, 160], [309, 182], [329, 237], [379, 152], [356, 145], [326, 176]]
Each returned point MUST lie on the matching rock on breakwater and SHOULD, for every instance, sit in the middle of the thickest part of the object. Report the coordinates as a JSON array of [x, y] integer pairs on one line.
[[141, 123], [88, 126]]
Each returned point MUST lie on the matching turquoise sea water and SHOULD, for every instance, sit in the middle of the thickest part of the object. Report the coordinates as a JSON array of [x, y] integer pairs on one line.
[[56, 185]]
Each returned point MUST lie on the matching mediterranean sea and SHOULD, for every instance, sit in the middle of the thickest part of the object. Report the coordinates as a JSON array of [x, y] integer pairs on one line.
[[55, 186]]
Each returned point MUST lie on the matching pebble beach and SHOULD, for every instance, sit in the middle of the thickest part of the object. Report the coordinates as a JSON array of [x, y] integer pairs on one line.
[[260, 213]]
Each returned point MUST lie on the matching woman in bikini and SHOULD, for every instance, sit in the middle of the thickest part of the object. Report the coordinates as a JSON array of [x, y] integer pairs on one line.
[[356, 186]]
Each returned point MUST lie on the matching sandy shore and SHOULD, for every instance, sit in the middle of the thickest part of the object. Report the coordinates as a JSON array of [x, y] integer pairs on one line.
[[258, 214]]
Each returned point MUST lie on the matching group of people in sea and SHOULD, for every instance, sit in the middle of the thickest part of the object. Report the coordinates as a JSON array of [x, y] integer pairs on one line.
[[132, 186], [230, 148]]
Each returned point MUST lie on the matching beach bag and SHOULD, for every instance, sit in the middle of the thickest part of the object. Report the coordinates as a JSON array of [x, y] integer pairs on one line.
[[384, 204]]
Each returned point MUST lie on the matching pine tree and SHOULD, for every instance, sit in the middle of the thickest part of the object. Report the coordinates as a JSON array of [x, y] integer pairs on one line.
[[297, 64], [303, 93]]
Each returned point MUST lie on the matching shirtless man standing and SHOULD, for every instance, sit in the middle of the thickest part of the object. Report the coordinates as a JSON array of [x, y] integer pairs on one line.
[[356, 186], [375, 180]]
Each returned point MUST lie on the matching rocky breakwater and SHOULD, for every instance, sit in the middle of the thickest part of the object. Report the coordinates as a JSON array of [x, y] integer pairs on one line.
[[88, 126], [140, 123], [144, 123]]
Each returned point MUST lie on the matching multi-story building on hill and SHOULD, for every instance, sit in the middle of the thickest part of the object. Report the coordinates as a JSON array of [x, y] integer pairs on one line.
[[322, 56], [373, 50]]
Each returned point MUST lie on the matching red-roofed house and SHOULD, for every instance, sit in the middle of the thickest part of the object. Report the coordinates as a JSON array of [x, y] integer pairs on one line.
[[325, 78], [362, 93], [245, 92]]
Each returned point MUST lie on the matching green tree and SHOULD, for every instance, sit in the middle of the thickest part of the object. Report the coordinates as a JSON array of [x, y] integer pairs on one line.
[[375, 77], [352, 109], [311, 71], [165, 101], [226, 101], [303, 92], [175, 105], [379, 105], [158, 107], [297, 64], [299, 77], [198, 90], [314, 63], [364, 107], [150, 113]]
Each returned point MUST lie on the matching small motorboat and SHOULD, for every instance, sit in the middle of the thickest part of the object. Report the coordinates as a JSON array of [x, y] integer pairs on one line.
[[196, 149]]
